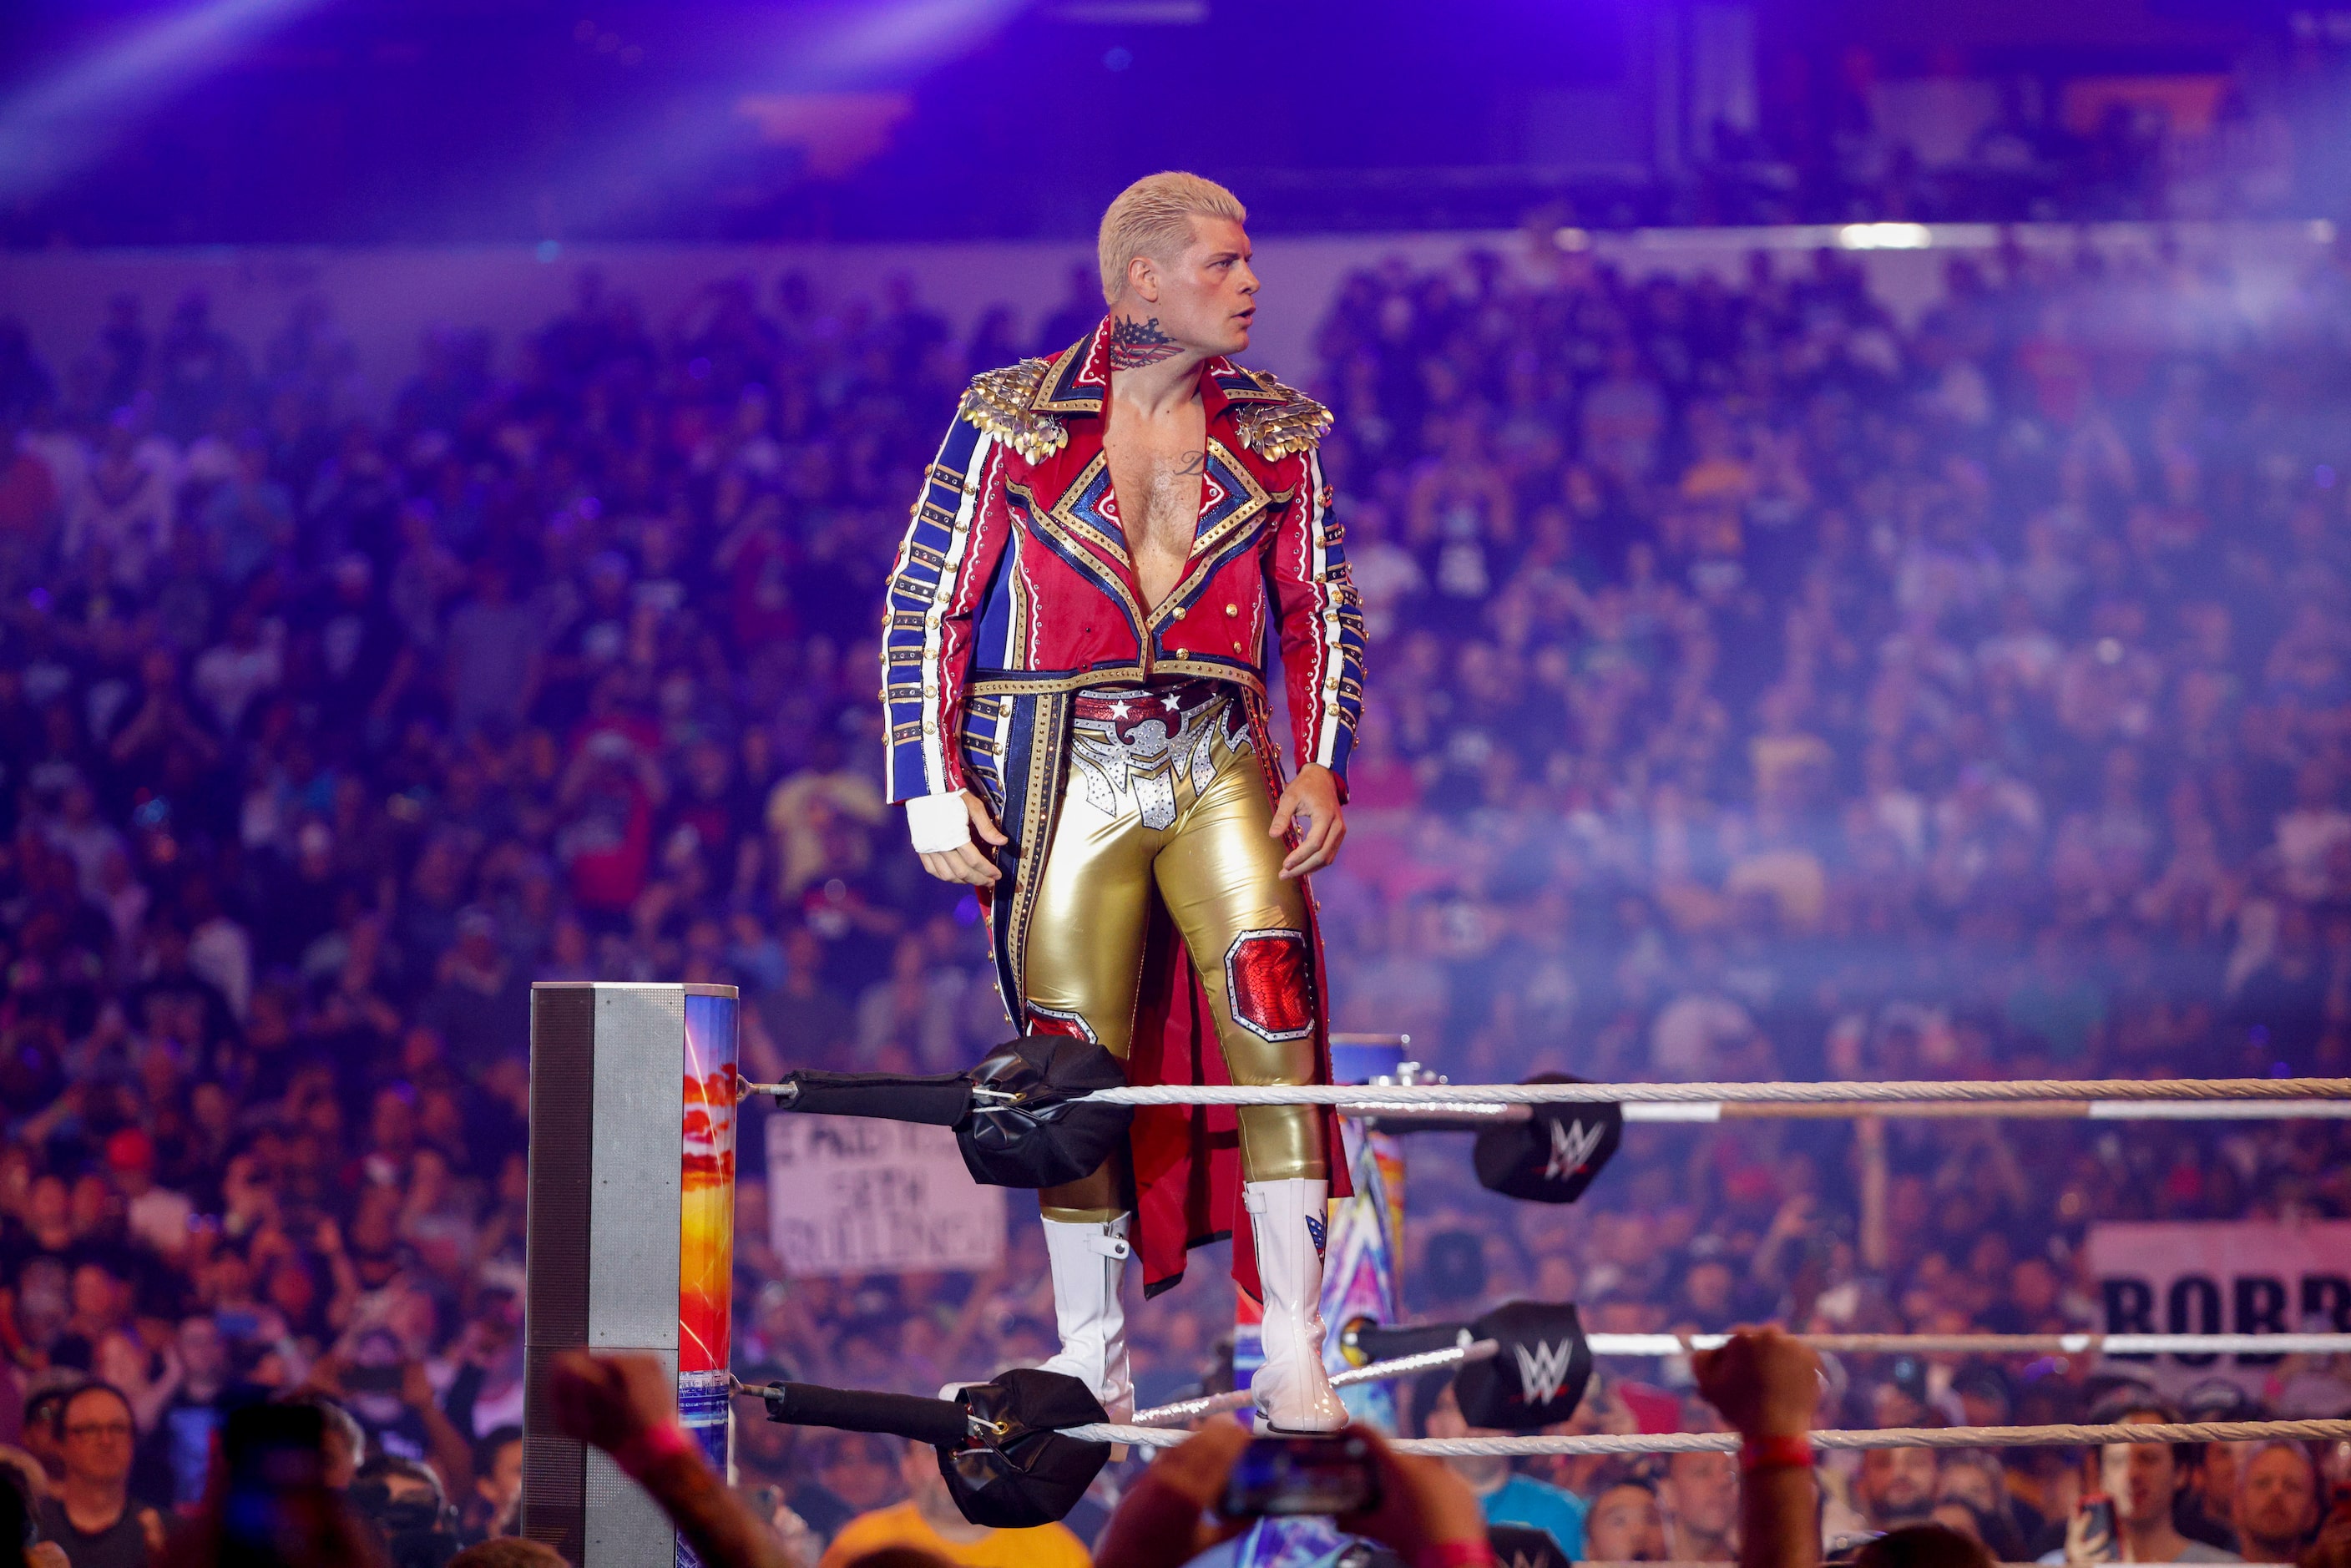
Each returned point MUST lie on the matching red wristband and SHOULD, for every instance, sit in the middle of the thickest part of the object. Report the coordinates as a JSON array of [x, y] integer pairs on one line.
[[1478, 1554], [1780, 1453], [650, 1448]]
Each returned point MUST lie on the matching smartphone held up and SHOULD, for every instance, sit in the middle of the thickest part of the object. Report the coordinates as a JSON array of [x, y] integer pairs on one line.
[[1286, 1477]]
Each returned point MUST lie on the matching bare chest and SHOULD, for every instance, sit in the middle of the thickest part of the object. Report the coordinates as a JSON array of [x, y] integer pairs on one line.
[[1155, 470]]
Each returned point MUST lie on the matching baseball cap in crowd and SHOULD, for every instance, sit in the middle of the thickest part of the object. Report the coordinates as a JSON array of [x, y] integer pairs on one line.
[[499, 1274], [131, 1150], [1455, 1265], [2130, 1397], [2218, 1399], [1981, 1381]]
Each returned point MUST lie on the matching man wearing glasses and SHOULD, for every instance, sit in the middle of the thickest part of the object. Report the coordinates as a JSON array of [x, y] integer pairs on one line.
[[91, 1515]]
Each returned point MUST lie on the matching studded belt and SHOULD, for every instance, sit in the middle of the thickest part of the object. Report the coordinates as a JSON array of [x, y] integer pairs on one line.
[[1133, 746]]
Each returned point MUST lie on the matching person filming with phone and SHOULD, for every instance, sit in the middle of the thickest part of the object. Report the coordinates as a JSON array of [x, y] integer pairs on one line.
[[2129, 1492], [1208, 1490]]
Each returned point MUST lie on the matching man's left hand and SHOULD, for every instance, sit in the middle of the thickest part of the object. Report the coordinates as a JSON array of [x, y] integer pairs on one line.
[[1312, 804]]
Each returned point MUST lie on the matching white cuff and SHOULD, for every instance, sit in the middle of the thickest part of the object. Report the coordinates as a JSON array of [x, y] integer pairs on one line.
[[938, 822]]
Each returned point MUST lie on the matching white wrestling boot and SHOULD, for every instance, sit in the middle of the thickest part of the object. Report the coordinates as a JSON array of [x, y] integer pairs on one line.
[[1089, 1263], [1292, 1390]]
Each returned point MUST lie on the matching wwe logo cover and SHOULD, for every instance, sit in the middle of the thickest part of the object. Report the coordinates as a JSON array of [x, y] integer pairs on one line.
[[1543, 1370], [1571, 1144]]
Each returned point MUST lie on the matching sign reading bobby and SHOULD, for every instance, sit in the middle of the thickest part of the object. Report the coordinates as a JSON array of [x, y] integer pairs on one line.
[[2221, 1277]]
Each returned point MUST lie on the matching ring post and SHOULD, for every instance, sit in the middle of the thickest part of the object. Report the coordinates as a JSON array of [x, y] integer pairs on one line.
[[631, 1234]]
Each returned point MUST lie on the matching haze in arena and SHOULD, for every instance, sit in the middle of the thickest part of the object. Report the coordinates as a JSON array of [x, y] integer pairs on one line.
[[831, 782]]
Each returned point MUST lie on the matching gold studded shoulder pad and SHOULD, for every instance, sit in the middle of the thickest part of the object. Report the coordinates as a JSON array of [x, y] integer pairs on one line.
[[1278, 430], [998, 401]]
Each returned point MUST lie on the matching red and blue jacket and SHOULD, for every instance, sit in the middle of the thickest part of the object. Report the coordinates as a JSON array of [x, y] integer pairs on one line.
[[1014, 578], [1013, 589]]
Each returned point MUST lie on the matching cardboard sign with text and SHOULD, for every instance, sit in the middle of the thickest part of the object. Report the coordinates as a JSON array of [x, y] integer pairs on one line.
[[2251, 1276], [849, 1196]]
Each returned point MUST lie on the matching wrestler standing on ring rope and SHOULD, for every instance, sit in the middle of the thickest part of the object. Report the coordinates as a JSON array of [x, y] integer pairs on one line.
[[1073, 664]]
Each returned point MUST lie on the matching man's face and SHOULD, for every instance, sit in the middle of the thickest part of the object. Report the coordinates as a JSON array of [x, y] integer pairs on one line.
[[1624, 1526], [98, 1436], [2217, 1481], [1897, 1483], [202, 1350], [1206, 299], [504, 1483], [1705, 1491], [918, 1468], [2141, 1477], [1444, 1419], [1709, 1287], [764, 1446], [93, 1292], [2275, 1500], [858, 1473]]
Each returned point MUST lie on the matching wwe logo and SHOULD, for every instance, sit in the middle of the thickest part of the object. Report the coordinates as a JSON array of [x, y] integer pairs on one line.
[[1543, 1370], [1571, 1145]]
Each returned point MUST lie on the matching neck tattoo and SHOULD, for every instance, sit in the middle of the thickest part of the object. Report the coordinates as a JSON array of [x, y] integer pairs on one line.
[[1135, 344]]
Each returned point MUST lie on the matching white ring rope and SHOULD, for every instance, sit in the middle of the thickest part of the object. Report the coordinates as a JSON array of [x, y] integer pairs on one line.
[[1999, 1344], [1890, 1437], [1645, 1344], [2056, 1099], [1467, 1117], [2018, 1091], [1378, 1370]]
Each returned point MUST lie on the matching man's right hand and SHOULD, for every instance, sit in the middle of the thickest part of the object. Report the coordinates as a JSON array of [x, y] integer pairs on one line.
[[2089, 1539], [609, 1400], [967, 863], [1765, 1382]]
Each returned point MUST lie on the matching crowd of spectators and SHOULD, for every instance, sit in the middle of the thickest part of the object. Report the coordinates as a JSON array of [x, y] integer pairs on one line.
[[1763, 686]]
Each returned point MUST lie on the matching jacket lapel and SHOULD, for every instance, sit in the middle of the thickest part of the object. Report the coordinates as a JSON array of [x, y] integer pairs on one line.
[[1082, 522]]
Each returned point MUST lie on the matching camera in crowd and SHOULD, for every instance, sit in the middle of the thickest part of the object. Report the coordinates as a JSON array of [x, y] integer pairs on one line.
[[403, 1500]]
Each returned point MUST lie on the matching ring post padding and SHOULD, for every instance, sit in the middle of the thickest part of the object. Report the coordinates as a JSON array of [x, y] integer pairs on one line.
[[631, 1237]]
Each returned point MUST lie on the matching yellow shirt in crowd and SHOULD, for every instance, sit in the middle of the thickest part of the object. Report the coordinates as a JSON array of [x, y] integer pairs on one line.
[[1047, 1546]]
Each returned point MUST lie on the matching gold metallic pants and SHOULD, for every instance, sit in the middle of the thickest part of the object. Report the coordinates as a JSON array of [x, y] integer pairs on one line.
[[1164, 796]]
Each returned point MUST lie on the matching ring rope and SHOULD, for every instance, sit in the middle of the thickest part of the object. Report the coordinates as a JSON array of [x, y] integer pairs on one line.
[[2017, 1091], [2065, 1436], [1647, 1344], [1466, 1116], [1999, 1344], [1378, 1370]]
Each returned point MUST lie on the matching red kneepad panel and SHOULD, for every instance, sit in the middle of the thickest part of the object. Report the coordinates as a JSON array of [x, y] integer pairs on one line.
[[1266, 983], [1044, 1020]]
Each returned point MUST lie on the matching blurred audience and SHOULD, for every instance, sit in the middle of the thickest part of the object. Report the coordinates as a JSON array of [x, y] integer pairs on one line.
[[928, 1522], [1768, 683]]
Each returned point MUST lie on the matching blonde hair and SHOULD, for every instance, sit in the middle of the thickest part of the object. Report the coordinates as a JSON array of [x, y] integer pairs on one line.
[[1153, 217]]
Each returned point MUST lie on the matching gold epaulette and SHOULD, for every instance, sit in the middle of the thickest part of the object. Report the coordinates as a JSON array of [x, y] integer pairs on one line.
[[998, 401], [1277, 430]]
